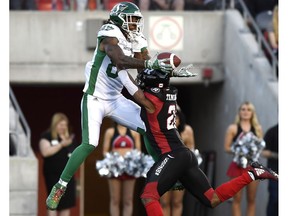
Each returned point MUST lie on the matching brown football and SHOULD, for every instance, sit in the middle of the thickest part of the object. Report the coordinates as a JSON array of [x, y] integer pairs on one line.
[[174, 60]]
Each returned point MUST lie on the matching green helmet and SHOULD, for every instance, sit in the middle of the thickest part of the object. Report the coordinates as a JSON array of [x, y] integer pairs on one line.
[[122, 14]]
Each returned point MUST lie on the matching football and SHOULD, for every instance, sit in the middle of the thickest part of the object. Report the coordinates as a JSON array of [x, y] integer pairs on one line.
[[174, 60]]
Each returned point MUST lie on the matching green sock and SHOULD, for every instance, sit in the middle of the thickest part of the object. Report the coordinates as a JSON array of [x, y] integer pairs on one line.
[[77, 157]]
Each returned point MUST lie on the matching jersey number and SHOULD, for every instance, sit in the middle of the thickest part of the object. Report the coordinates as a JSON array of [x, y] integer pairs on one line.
[[171, 120], [106, 28]]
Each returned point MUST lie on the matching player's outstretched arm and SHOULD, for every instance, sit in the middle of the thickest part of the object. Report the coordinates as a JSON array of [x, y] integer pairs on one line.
[[110, 46]]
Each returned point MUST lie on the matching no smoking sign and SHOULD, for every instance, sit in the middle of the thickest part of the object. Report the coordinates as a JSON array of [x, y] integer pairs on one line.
[[166, 33]]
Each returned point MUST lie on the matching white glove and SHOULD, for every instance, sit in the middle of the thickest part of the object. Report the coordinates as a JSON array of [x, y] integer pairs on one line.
[[184, 72], [159, 64]]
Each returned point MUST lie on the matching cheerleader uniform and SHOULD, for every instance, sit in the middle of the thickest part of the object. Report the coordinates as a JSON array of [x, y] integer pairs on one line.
[[234, 170], [126, 141]]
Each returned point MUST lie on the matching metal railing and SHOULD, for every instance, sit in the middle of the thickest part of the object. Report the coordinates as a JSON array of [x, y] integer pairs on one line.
[[22, 146], [261, 40]]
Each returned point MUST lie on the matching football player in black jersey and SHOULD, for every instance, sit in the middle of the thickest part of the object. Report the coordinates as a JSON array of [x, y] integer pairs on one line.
[[174, 160]]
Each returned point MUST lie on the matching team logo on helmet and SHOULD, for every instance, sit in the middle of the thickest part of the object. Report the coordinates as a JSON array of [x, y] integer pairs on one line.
[[118, 8]]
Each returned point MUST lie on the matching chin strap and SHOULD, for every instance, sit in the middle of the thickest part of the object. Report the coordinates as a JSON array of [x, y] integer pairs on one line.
[[184, 72]]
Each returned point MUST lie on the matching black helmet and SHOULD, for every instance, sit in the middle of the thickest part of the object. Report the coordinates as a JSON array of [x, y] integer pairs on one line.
[[152, 78]]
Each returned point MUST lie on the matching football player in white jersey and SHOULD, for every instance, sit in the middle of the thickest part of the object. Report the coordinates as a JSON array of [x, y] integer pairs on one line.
[[106, 75]]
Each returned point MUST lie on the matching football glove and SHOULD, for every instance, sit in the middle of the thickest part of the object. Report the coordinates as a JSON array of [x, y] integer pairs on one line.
[[184, 72], [159, 64]]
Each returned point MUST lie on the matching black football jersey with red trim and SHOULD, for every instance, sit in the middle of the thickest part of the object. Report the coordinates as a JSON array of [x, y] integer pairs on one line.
[[161, 125]]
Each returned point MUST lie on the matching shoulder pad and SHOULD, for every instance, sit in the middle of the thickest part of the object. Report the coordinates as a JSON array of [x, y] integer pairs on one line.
[[110, 30], [139, 42]]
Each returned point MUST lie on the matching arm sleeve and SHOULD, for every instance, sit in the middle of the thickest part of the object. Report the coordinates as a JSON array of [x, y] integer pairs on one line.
[[127, 82]]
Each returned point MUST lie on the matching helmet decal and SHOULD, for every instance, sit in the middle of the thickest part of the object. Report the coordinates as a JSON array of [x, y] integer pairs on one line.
[[127, 16], [118, 7]]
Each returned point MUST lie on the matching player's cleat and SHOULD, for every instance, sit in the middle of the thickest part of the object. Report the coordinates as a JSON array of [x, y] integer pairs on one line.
[[261, 172], [54, 197]]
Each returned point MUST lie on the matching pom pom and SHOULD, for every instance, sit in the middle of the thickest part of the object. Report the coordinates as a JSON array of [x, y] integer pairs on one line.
[[133, 163], [247, 148]]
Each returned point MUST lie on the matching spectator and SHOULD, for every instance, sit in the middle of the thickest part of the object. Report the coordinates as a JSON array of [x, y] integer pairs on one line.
[[258, 10], [92, 4], [172, 201], [82, 5], [275, 23], [245, 121], [22, 5], [271, 153], [161, 5], [106, 75], [273, 31], [268, 23], [256, 7], [56, 145], [121, 140]]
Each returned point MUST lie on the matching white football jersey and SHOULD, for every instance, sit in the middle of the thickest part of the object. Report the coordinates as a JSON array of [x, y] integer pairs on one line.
[[101, 74], [139, 42]]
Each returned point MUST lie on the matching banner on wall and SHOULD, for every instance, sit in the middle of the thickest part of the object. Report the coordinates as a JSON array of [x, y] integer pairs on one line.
[[165, 33]]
